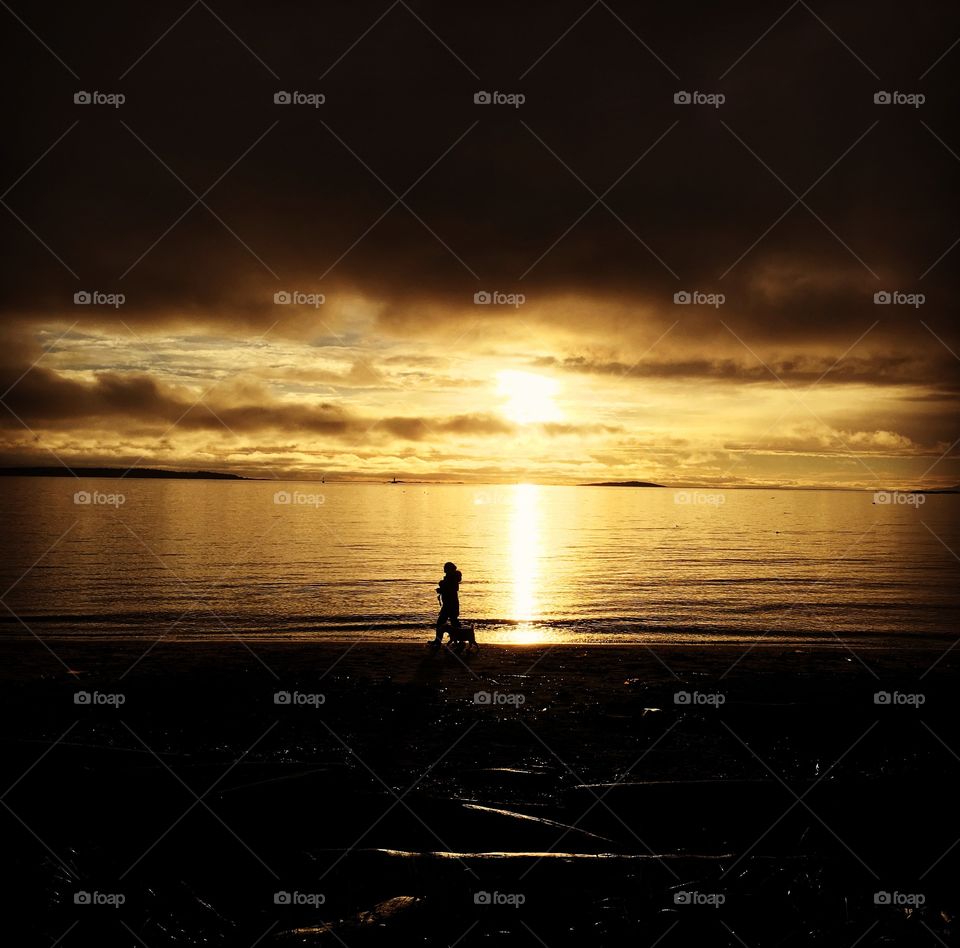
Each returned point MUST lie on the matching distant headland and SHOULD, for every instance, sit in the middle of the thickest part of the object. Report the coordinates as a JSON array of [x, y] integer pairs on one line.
[[64, 471]]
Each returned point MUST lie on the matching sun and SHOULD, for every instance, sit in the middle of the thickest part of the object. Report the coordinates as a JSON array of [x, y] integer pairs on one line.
[[529, 397]]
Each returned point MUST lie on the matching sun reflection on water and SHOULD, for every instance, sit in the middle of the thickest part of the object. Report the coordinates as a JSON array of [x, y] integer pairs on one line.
[[526, 552]]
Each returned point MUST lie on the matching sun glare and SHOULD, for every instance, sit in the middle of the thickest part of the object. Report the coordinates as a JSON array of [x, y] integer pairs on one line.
[[529, 397]]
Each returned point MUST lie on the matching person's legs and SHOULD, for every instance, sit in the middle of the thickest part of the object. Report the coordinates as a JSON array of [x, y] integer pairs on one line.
[[441, 619], [455, 626]]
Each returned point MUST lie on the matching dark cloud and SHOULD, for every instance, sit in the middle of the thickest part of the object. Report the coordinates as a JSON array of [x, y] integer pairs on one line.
[[802, 369], [312, 189], [43, 398]]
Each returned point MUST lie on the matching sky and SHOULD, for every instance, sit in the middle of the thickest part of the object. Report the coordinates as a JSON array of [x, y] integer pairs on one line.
[[708, 244]]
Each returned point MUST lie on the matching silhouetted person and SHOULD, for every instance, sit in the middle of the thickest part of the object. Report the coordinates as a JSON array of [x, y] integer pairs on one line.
[[448, 592]]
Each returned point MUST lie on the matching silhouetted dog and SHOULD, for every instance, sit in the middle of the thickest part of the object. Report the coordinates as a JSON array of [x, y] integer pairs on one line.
[[463, 636]]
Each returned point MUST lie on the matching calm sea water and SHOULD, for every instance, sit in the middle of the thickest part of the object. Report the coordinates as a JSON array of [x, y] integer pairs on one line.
[[215, 559]]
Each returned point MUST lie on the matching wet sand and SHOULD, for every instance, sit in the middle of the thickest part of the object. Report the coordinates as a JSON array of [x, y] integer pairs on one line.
[[390, 794]]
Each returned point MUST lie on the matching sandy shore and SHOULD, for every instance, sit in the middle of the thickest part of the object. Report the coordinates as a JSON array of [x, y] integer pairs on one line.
[[393, 790]]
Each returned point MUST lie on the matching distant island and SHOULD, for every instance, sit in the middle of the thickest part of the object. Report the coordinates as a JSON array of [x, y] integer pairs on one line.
[[116, 472], [622, 484], [400, 483]]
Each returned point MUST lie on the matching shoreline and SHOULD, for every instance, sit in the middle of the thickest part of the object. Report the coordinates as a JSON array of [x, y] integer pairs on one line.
[[417, 632]]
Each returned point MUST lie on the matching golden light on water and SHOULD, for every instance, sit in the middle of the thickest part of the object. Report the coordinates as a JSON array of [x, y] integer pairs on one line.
[[526, 553]]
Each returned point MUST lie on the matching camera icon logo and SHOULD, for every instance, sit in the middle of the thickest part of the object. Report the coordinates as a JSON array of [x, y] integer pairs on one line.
[[881, 98], [82, 298], [82, 898], [282, 898], [281, 298], [882, 697], [482, 898], [882, 298], [282, 697], [82, 697], [482, 298], [682, 697], [282, 497], [682, 298], [82, 98], [482, 98], [681, 98], [83, 497], [282, 98]]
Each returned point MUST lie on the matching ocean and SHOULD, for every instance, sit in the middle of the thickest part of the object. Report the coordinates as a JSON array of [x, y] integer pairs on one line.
[[211, 560]]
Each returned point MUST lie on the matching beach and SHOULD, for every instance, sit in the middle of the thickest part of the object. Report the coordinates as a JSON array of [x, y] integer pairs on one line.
[[371, 794], [330, 328]]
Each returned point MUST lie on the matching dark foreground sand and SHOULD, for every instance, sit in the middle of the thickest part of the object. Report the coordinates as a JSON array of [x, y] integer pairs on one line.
[[519, 795]]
